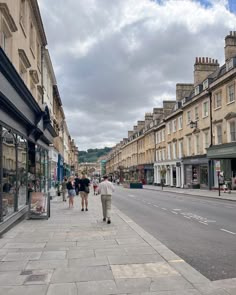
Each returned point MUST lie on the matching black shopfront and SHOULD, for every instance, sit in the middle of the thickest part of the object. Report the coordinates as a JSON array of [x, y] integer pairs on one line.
[[25, 135]]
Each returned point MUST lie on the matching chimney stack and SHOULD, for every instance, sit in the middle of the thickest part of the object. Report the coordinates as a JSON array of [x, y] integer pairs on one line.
[[230, 45], [130, 133], [168, 106], [148, 118], [203, 67], [140, 125], [183, 90]]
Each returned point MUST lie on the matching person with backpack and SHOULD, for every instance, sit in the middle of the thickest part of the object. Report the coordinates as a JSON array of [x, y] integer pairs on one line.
[[84, 183], [71, 191]]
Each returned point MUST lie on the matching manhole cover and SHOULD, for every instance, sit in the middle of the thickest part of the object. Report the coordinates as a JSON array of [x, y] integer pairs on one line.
[[26, 272], [36, 278]]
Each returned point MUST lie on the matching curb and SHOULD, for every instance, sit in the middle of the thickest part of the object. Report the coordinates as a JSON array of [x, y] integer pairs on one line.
[[188, 194]]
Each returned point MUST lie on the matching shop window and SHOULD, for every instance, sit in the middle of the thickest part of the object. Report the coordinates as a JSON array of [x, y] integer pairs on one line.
[[9, 181], [218, 100], [219, 134], [22, 152], [230, 93]]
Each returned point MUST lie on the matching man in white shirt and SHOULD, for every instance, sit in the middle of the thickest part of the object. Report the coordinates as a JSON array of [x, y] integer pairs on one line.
[[106, 189]]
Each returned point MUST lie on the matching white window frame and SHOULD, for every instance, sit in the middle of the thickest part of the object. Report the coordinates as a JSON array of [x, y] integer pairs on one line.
[[217, 95], [163, 135], [217, 135], [205, 113], [189, 145], [174, 150], [230, 95], [174, 125], [169, 128], [180, 149], [197, 144], [180, 122], [163, 155], [188, 117], [160, 155], [169, 151], [230, 137]]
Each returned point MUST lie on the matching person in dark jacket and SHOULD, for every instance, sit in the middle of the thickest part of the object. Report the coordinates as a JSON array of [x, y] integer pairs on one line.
[[84, 191], [71, 191], [76, 181]]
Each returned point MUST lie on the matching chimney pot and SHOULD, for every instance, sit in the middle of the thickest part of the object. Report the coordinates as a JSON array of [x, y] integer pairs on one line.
[[203, 60], [231, 33], [196, 60], [216, 61], [207, 60]]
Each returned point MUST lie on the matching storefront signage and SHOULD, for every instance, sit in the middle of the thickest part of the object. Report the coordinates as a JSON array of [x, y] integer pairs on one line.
[[224, 152]]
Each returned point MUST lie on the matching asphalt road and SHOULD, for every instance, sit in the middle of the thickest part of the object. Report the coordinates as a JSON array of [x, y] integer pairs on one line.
[[200, 230]]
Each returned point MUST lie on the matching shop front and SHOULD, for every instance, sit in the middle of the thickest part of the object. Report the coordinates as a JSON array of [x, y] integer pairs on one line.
[[196, 172], [223, 158], [25, 135], [141, 175], [149, 173]]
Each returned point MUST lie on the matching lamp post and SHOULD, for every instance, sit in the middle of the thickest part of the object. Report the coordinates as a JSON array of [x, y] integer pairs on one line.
[[193, 124]]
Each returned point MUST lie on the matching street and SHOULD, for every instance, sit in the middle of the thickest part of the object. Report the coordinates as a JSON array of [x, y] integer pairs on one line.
[[201, 231]]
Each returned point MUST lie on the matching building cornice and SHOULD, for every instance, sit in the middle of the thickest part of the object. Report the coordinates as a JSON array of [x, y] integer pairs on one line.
[[38, 19]]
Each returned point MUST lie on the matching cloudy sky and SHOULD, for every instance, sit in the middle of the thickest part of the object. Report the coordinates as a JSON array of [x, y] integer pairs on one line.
[[117, 59]]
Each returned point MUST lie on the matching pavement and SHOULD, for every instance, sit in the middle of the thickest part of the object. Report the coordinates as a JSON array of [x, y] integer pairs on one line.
[[75, 253], [195, 192]]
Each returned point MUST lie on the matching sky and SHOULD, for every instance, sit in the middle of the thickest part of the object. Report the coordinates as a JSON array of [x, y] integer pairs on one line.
[[115, 60]]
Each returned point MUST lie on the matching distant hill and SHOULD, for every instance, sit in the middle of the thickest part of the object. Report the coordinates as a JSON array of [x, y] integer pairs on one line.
[[92, 155]]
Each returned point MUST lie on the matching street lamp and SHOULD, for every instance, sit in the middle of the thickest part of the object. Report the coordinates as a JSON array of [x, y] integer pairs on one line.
[[193, 124]]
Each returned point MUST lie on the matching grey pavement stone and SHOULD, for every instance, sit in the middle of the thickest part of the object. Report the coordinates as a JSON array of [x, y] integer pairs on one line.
[[24, 245], [134, 259], [176, 292], [58, 245], [110, 252], [12, 265], [69, 275], [53, 255], [62, 289], [170, 284], [140, 250], [39, 276], [133, 285], [17, 256], [131, 241], [47, 264], [24, 290], [106, 287], [11, 278], [158, 269], [90, 261], [80, 253]]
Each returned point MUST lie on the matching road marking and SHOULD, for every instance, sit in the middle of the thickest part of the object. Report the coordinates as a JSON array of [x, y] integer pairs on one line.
[[227, 231], [203, 222], [163, 208], [174, 212]]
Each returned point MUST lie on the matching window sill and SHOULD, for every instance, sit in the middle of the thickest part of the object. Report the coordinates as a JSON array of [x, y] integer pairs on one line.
[[205, 116], [218, 108], [233, 101]]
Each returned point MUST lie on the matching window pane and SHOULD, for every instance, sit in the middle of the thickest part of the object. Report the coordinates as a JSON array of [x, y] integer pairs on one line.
[[22, 171]]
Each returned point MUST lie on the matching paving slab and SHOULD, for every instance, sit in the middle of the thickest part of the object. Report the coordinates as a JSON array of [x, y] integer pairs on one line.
[[63, 289], [24, 290], [107, 287], [47, 264], [133, 285]]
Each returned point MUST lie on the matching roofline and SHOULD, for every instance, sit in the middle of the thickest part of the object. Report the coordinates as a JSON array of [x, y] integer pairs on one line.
[[38, 18]]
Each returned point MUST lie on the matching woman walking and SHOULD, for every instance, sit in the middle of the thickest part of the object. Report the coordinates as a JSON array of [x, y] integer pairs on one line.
[[71, 191], [64, 189]]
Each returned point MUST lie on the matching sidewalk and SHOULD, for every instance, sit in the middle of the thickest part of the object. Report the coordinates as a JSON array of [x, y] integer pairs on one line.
[[76, 253], [195, 192]]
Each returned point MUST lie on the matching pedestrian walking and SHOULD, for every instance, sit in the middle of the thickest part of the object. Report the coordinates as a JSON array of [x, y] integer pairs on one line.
[[76, 181], [84, 183], [71, 191], [64, 189], [95, 185], [106, 188]]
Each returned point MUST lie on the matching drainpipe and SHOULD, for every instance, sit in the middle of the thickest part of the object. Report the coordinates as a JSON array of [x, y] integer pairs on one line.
[[210, 162]]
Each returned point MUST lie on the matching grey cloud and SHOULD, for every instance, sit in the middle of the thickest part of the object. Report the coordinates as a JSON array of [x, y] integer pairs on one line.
[[111, 69]]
